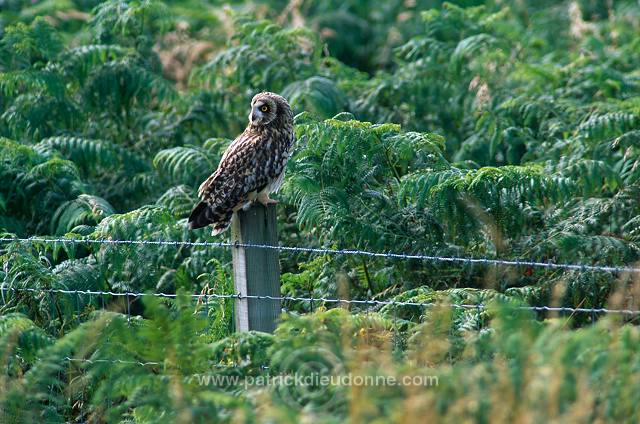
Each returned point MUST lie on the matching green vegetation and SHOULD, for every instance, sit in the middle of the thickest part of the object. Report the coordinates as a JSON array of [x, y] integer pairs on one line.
[[493, 129]]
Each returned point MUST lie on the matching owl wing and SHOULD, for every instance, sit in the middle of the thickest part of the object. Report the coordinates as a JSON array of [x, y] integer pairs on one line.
[[242, 170]]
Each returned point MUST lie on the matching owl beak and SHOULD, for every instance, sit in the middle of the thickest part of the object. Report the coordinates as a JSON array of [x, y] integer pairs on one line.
[[253, 117]]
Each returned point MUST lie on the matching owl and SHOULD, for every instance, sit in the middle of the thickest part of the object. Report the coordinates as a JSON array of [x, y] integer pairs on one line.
[[251, 167]]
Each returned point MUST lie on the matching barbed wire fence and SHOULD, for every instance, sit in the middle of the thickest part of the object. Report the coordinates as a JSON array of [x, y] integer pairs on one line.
[[324, 300], [207, 296], [368, 302], [327, 251]]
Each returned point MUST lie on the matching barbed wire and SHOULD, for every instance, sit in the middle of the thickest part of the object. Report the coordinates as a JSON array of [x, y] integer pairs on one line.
[[327, 251], [111, 361], [145, 364], [371, 302]]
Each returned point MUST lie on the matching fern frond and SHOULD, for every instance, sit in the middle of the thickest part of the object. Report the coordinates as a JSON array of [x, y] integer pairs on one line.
[[179, 199], [607, 126], [121, 84], [85, 209], [80, 61], [20, 341], [318, 95], [127, 18], [89, 154], [184, 165], [41, 81], [38, 41], [470, 47]]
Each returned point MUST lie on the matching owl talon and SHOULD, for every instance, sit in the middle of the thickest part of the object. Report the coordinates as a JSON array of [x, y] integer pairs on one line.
[[268, 202], [265, 200]]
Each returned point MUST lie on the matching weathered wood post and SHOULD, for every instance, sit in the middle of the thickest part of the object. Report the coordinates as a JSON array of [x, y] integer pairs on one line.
[[256, 271]]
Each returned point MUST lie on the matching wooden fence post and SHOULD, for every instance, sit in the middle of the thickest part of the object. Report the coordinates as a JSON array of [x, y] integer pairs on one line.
[[256, 271]]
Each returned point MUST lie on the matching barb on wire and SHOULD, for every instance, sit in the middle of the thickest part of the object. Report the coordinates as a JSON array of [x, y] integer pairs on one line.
[[353, 252], [367, 302]]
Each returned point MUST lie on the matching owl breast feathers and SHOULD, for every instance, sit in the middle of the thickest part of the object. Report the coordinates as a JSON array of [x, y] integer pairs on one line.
[[252, 166]]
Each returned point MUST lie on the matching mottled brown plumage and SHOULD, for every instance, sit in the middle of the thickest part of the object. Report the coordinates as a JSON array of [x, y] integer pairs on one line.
[[251, 167]]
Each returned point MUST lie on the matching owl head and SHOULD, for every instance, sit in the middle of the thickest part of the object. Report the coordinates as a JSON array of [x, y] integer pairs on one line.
[[268, 108]]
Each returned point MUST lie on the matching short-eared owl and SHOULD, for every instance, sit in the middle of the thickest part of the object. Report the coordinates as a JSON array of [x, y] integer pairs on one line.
[[251, 167]]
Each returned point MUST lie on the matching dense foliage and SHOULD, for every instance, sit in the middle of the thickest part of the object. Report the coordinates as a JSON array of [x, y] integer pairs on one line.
[[492, 129]]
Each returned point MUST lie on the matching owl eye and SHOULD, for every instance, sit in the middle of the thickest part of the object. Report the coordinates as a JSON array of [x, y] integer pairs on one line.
[[264, 108]]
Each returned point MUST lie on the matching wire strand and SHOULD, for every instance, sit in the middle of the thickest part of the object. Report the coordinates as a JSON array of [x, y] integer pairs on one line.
[[144, 364], [354, 252], [370, 302]]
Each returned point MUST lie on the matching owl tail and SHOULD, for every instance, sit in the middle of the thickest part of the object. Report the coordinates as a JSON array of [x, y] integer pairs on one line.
[[203, 215]]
